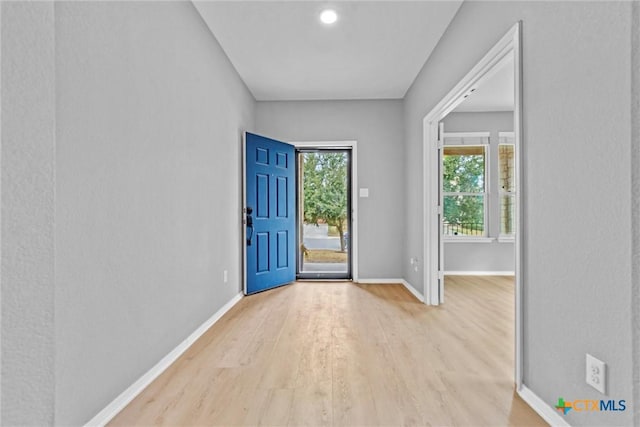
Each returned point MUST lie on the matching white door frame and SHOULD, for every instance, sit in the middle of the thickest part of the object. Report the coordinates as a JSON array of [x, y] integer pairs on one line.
[[509, 44], [353, 232]]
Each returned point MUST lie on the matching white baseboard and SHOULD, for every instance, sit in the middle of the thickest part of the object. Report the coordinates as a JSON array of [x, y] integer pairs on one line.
[[380, 281], [119, 403], [547, 413], [479, 273], [413, 290], [402, 282]]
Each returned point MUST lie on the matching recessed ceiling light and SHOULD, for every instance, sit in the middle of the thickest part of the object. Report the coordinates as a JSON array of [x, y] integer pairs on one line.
[[328, 16]]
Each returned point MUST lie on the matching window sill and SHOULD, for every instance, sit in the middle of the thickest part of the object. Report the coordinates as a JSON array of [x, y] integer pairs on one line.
[[506, 239], [469, 239]]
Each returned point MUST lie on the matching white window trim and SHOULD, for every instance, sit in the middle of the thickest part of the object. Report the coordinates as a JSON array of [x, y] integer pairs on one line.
[[469, 239], [471, 137], [506, 135]]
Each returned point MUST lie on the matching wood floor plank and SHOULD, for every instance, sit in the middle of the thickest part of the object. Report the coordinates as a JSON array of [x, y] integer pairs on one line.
[[270, 407], [344, 354], [312, 405]]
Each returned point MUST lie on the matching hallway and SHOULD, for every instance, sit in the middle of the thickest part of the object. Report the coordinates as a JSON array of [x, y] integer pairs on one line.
[[345, 354]]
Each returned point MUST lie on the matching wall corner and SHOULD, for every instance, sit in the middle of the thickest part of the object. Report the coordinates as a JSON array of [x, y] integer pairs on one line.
[[635, 206], [27, 210]]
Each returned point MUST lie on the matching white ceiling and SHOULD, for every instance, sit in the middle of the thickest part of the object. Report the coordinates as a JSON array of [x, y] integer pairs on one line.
[[495, 93], [283, 52]]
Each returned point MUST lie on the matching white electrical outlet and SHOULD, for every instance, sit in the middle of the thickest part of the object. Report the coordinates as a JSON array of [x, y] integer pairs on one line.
[[596, 371], [225, 276]]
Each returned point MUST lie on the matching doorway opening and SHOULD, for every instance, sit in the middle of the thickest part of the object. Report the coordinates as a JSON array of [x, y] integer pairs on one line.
[[473, 198], [324, 213]]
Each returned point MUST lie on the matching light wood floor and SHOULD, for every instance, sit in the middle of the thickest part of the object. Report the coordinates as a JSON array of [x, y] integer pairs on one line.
[[348, 355]]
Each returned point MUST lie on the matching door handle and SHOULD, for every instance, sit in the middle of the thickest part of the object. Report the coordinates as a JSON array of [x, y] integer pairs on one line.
[[249, 222]]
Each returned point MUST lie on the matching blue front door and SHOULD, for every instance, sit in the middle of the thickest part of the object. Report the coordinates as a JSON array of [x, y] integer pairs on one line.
[[270, 217]]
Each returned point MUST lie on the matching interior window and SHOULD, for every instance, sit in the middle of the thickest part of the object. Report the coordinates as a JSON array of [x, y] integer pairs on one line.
[[507, 187], [464, 190]]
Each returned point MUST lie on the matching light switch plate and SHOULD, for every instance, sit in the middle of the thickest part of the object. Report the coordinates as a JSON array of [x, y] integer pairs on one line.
[[364, 192]]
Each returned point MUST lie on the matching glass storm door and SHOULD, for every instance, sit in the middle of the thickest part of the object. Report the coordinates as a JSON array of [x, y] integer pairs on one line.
[[324, 214]]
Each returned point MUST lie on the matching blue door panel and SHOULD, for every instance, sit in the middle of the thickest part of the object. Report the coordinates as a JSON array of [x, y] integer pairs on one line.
[[281, 160], [282, 210], [262, 252], [270, 194], [283, 250], [262, 156], [261, 198]]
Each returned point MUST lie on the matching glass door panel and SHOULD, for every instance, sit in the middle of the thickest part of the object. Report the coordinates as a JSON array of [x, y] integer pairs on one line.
[[324, 207]]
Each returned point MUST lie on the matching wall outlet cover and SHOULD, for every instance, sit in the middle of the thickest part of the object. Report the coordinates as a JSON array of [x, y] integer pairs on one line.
[[596, 373]]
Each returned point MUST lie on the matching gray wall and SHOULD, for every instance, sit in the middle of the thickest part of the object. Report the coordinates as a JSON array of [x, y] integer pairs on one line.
[[635, 198], [146, 195], [577, 264], [27, 210], [120, 121], [479, 257], [0, 212], [493, 256], [377, 126]]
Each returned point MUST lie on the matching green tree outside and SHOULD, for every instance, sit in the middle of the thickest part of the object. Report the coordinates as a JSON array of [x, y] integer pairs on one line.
[[464, 173], [325, 190]]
